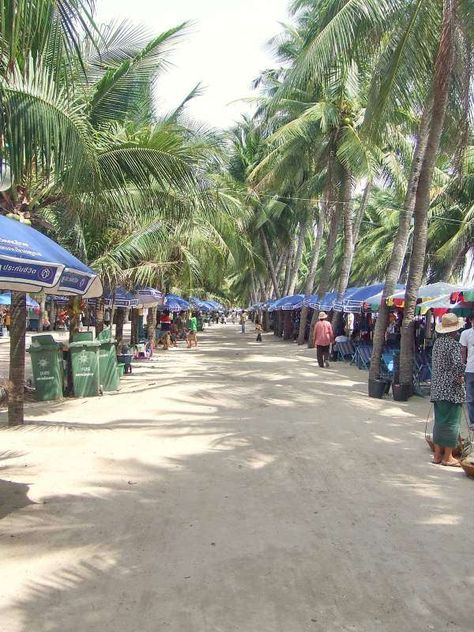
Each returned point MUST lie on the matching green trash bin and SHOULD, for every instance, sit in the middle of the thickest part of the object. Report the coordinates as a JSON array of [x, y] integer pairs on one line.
[[109, 377], [48, 370], [85, 368]]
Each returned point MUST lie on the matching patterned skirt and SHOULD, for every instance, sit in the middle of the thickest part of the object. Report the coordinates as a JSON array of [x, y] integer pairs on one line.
[[447, 422]]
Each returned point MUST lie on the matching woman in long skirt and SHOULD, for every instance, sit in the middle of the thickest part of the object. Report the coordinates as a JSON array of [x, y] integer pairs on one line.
[[447, 390]]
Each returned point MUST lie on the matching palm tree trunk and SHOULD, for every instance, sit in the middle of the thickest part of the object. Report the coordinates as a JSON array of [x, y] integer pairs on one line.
[[269, 259], [361, 213], [442, 80], [42, 311], [99, 316], [289, 267], [401, 241], [299, 255], [16, 393], [151, 324], [309, 286], [119, 326], [326, 271], [348, 254]]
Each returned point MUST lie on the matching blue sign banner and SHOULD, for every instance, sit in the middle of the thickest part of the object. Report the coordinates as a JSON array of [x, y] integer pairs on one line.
[[29, 272]]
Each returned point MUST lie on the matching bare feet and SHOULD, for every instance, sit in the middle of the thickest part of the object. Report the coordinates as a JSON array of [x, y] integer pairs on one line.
[[451, 463], [437, 460]]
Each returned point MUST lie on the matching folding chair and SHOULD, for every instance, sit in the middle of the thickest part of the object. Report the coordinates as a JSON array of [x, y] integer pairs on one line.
[[345, 351], [362, 356]]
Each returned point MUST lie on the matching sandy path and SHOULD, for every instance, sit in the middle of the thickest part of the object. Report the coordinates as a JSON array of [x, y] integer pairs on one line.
[[236, 488]]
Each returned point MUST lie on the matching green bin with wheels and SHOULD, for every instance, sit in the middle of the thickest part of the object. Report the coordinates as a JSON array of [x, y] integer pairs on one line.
[[108, 373], [85, 368], [48, 369]]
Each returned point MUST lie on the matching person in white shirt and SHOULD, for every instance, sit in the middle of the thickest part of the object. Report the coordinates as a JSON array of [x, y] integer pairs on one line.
[[467, 354]]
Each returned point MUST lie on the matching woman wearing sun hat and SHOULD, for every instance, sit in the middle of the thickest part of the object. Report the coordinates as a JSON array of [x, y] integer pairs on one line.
[[447, 389]]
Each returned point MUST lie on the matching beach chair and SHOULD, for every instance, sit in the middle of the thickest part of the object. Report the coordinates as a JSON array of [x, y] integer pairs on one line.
[[345, 351], [421, 375], [362, 356]]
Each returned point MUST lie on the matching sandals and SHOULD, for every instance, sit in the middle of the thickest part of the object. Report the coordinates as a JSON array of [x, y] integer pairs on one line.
[[454, 464]]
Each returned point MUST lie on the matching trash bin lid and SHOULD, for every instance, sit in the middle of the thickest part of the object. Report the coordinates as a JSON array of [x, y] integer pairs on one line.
[[105, 335], [94, 344], [81, 336], [44, 342]]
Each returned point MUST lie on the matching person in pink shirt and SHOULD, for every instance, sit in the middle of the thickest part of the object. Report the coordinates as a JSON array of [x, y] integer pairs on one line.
[[323, 338]]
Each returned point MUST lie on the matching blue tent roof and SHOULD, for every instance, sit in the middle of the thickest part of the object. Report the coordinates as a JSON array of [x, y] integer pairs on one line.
[[174, 303], [288, 303], [120, 297], [355, 301], [30, 261]]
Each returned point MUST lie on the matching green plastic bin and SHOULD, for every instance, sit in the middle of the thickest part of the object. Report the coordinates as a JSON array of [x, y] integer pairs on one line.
[[85, 368], [48, 370], [109, 377]]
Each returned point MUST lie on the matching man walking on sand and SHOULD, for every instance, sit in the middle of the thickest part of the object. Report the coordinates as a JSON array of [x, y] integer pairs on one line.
[[323, 338]]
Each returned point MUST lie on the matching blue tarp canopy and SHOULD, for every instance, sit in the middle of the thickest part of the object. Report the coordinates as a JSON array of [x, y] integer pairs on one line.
[[174, 303], [288, 303], [356, 300], [327, 304], [120, 297], [311, 301], [6, 299], [30, 261]]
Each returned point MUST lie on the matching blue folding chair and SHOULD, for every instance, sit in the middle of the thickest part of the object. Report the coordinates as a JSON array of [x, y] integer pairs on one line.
[[362, 356], [345, 351]]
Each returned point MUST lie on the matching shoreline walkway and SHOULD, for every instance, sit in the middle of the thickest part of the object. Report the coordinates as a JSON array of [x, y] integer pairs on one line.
[[232, 488]]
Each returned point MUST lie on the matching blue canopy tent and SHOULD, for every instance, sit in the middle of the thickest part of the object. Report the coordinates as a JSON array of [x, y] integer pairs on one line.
[[356, 300], [174, 303], [200, 305], [29, 262], [327, 304], [120, 297], [339, 305], [6, 299], [289, 303], [311, 301], [149, 297]]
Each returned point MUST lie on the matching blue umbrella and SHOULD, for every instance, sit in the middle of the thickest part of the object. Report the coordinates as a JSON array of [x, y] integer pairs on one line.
[[288, 303], [149, 297], [197, 303], [356, 300], [30, 261], [120, 297], [6, 299], [311, 301], [339, 305], [175, 303], [327, 304]]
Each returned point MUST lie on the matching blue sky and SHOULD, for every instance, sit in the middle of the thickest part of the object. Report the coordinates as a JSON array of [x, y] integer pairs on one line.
[[225, 49]]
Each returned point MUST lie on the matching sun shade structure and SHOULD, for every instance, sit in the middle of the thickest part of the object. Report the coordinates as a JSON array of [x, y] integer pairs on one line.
[[120, 297], [174, 303], [149, 297], [354, 301], [425, 293], [373, 302], [288, 303], [30, 261]]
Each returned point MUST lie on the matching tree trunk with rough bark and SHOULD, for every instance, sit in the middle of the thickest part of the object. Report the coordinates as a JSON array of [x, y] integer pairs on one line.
[[442, 80], [299, 255], [348, 253], [16, 394], [309, 286], [400, 243], [326, 271], [120, 319], [151, 324], [99, 316], [271, 267]]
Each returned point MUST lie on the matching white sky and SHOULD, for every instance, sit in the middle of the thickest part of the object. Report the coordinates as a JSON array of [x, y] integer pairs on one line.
[[225, 50]]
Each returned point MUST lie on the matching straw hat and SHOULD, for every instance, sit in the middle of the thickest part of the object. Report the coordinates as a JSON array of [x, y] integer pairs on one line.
[[322, 315], [449, 323]]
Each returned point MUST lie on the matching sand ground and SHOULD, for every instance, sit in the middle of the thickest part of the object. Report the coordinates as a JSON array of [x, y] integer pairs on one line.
[[233, 488]]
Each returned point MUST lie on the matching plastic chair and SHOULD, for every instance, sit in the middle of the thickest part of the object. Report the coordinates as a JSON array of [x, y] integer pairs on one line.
[[345, 351]]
